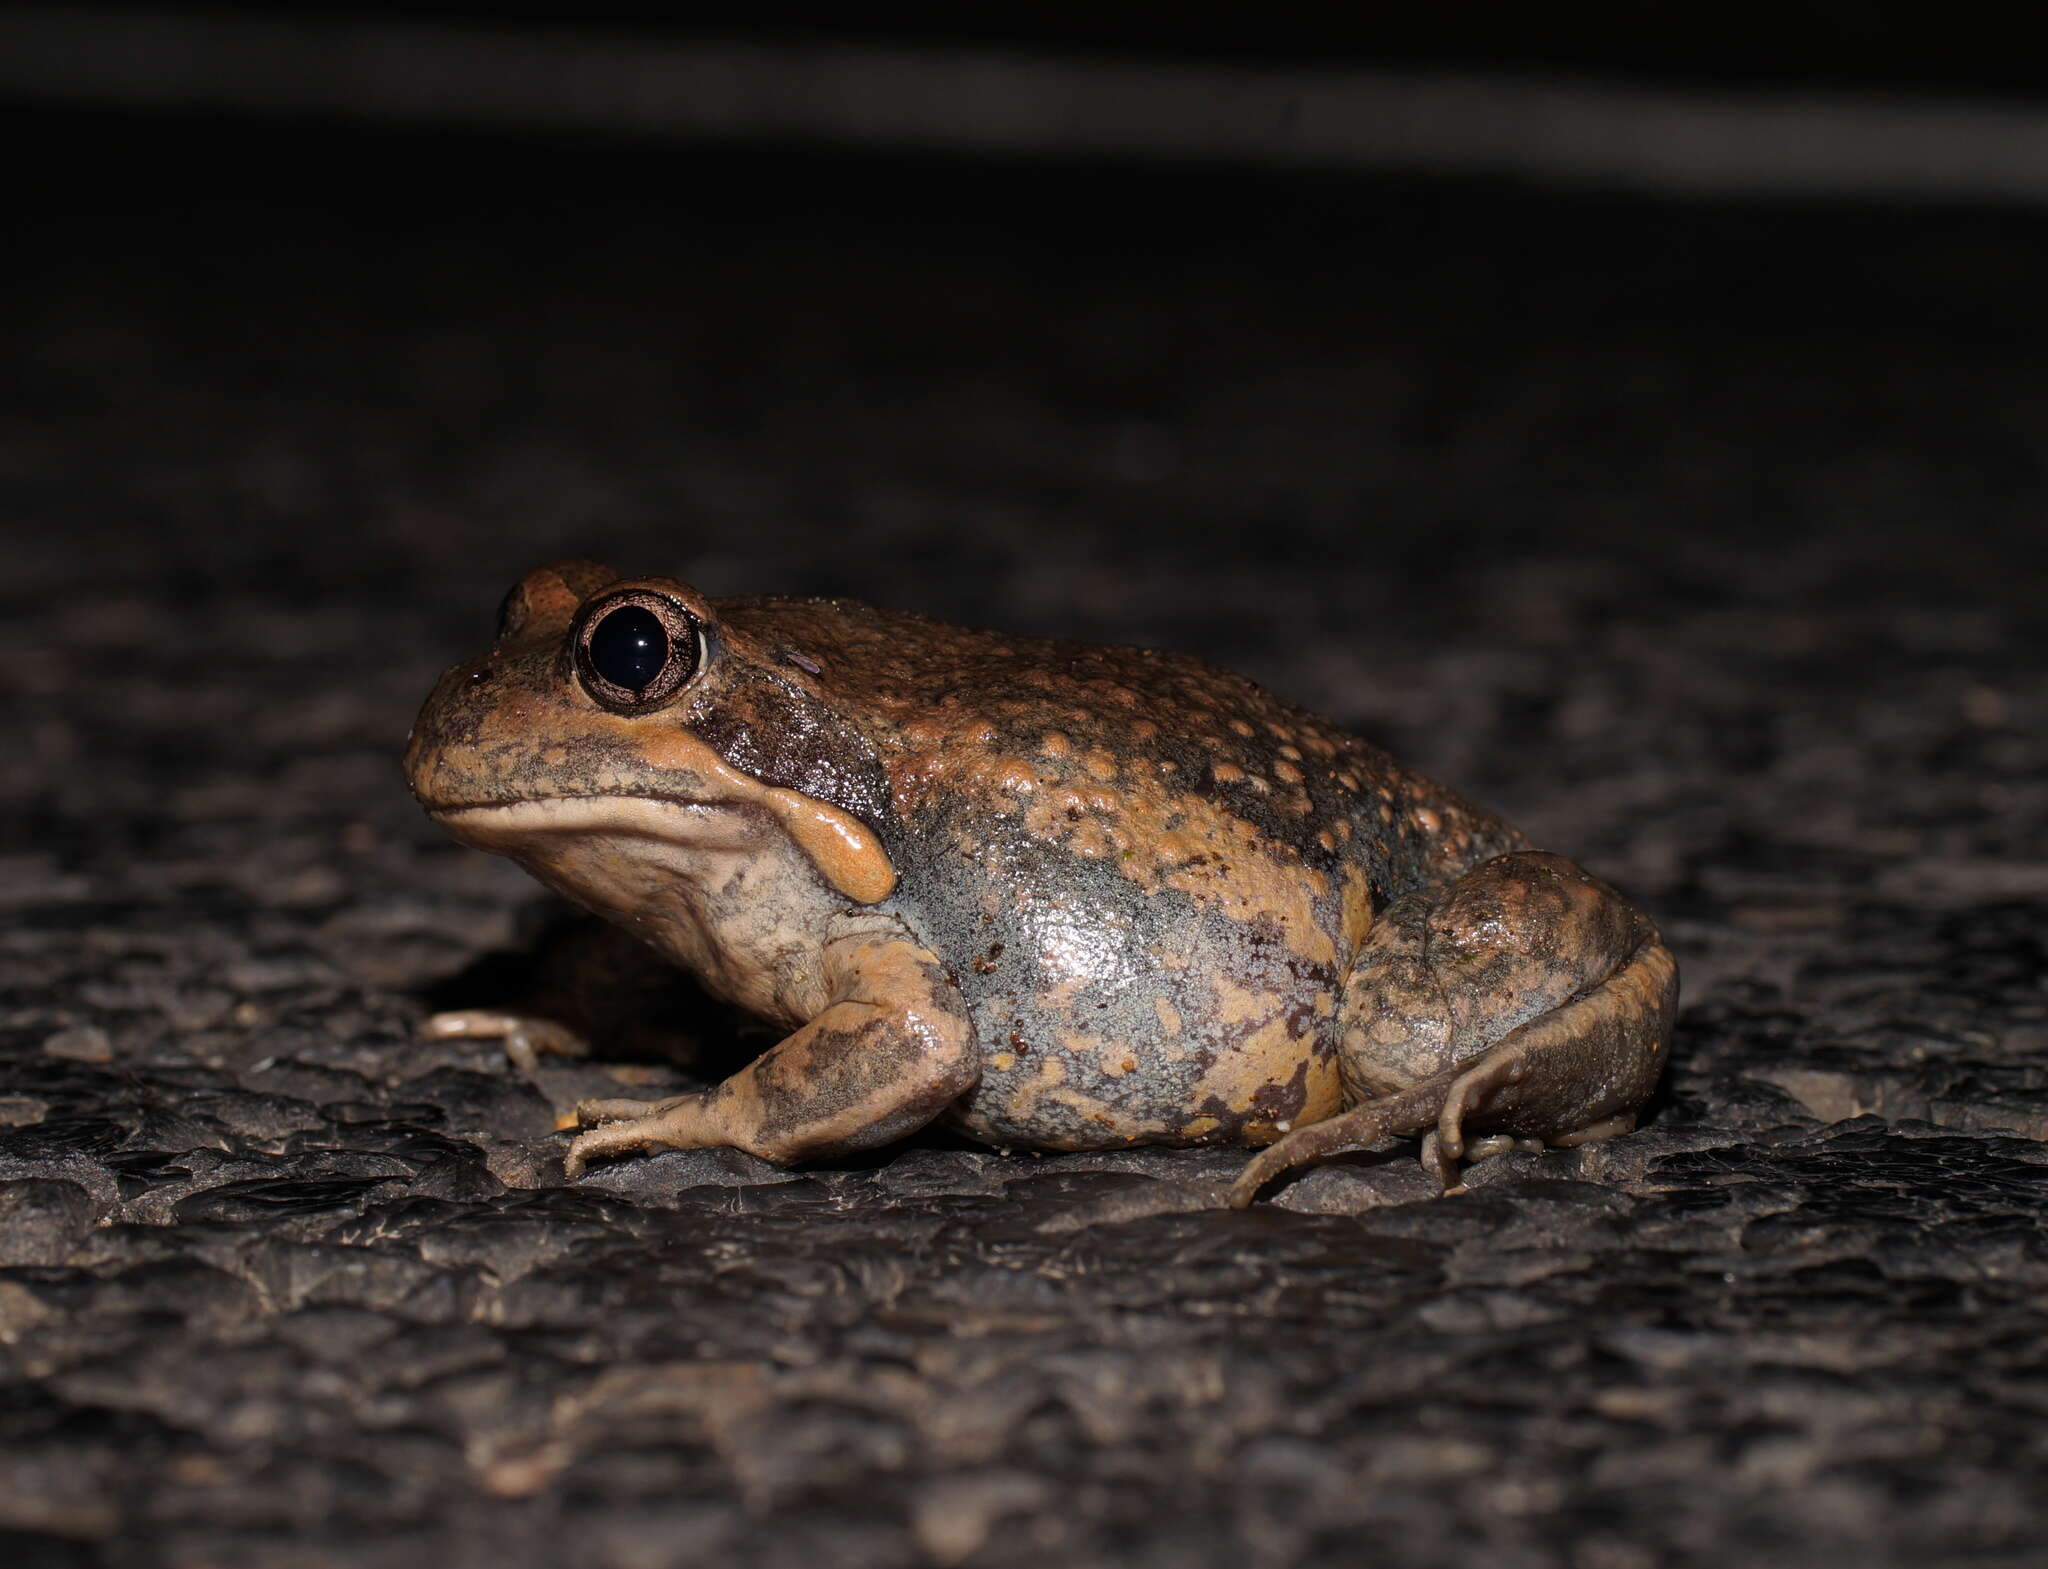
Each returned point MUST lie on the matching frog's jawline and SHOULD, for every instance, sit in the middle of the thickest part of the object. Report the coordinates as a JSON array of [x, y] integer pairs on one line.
[[694, 825]]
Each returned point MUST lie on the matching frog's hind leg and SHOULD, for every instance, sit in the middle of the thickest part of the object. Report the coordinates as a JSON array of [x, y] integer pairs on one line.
[[1528, 999]]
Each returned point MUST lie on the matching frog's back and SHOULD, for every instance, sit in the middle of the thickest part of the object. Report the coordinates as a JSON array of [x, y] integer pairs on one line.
[[1115, 751], [1148, 874]]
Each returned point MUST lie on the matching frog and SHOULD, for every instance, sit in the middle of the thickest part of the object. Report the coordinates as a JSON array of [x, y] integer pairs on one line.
[[1052, 895]]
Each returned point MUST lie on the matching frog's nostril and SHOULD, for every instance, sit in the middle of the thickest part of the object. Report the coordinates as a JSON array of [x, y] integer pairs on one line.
[[481, 674]]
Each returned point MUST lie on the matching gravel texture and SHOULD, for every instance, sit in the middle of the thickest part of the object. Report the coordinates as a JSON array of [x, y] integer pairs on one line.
[[1706, 545]]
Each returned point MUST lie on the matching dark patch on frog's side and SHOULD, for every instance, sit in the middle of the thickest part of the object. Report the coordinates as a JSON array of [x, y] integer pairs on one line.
[[769, 727], [1271, 1104]]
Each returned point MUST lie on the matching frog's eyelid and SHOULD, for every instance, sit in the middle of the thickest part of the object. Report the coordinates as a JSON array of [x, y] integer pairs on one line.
[[510, 613]]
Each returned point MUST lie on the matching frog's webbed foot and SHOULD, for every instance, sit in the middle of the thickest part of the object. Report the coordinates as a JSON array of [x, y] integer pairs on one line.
[[526, 1037], [1528, 1000]]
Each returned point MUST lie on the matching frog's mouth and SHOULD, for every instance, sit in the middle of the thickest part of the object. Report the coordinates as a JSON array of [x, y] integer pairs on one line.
[[844, 850], [505, 827]]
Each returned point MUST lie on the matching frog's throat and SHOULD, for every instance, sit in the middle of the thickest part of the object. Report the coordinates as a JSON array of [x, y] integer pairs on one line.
[[844, 850]]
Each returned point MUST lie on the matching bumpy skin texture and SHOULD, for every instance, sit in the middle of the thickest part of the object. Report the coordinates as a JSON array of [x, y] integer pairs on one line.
[[1066, 896]]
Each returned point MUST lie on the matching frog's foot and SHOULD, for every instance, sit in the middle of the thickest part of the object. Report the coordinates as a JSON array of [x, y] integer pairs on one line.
[[1392, 1116], [621, 1127], [1528, 1000], [527, 1038], [1445, 1170]]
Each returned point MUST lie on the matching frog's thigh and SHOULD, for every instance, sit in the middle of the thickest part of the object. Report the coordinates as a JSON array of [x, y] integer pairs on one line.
[[890, 1052], [1528, 999]]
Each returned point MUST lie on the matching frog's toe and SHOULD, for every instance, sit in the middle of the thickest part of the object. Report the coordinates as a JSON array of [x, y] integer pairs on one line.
[[1297, 1149], [1445, 1171], [601, 1141], [679, 1123]]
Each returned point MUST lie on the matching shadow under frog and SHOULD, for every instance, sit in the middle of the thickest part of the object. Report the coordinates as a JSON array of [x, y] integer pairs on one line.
[[1062, 896]]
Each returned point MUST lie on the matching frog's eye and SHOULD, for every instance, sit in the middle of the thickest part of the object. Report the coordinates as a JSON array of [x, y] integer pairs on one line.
[[637, 649]]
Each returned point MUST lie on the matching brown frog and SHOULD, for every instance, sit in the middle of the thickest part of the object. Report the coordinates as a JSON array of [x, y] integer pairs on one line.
[[1063, 897]]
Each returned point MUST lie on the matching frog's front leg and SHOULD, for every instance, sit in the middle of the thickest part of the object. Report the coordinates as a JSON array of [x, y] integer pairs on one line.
[[1527, 999], [526, 1037], [889, 1052]]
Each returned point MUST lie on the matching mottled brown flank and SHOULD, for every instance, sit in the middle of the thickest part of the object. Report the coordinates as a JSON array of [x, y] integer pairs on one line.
[[1023, 769], [1133, 747]]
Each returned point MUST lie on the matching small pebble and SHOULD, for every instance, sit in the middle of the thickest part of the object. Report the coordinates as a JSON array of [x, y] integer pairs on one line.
[[86, 1043]]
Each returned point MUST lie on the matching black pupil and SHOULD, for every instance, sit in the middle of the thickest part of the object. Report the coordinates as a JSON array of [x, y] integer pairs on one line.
[[629, 647]]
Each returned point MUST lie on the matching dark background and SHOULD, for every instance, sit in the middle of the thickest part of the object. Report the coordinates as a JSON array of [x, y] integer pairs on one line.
[[1804, 43], [1702, 538]]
